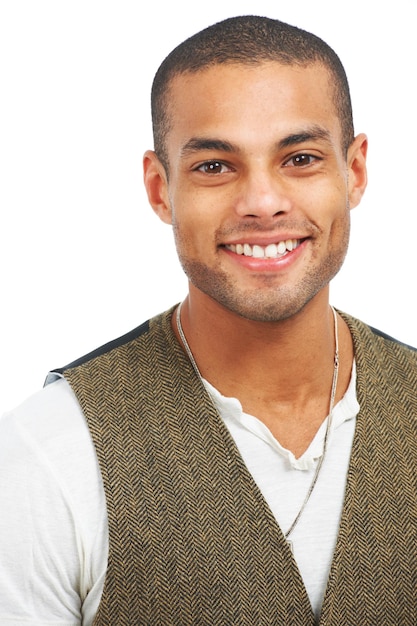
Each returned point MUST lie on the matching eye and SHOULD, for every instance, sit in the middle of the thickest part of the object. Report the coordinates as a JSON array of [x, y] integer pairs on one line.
[[301, 160], [212, 167]]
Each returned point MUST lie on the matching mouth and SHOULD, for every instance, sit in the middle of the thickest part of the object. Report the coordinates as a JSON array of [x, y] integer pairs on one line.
[[271, 251]]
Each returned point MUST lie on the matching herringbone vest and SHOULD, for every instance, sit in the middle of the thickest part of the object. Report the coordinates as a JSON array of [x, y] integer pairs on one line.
[[191, 539]]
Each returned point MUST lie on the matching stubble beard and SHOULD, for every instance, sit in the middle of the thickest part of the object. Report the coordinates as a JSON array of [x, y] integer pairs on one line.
[[267, 302]]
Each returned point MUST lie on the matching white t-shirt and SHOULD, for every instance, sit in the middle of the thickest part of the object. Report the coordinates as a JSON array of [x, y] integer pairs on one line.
[[53, 523]]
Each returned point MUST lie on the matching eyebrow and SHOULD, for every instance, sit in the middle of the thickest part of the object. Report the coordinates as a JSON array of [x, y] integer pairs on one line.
[[313, 133], [199, 144]]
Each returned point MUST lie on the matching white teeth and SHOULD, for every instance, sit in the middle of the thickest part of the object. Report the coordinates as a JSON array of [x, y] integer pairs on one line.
[[258, 252], [282, 247], [271, 251]]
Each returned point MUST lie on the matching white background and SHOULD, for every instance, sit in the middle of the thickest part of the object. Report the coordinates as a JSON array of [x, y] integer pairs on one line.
[[83, 257]]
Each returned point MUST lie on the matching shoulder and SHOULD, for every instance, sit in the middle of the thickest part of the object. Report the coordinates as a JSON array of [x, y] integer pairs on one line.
[[149, 331], [393, 342], [50, 421], [367, 336], [48, 433], [387, 368]]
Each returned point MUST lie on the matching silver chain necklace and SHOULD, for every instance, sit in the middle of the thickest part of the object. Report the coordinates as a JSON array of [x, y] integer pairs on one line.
[[329, 418]]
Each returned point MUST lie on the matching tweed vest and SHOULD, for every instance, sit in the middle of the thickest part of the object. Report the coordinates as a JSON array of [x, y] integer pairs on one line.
[[192, 540]]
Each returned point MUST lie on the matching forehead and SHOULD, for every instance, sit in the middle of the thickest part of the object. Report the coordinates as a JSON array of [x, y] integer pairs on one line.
[[251, 94]]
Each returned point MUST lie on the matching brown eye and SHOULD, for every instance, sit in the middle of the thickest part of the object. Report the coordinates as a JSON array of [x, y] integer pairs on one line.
[[212, 167], [300, 160]]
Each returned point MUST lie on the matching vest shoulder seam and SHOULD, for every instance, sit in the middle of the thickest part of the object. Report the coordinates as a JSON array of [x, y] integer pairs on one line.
[[380, 333], [106, 348]]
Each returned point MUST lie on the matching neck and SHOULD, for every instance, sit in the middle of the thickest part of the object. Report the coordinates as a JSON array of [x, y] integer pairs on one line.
[[281, 372], [279, 354]]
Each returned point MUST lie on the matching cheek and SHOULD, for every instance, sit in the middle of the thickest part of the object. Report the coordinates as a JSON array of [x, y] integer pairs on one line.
[[195, 219], [328, 205], [193, 232], [339, 233]]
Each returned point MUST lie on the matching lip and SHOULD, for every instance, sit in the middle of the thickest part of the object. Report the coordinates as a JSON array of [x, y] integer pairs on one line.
[[264, 241]]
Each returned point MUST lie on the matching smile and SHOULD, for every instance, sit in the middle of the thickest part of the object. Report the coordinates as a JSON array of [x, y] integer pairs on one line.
[[271, 251]]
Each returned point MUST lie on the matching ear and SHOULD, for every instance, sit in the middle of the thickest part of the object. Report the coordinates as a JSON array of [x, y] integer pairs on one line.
[[356, 161], [156, 185]]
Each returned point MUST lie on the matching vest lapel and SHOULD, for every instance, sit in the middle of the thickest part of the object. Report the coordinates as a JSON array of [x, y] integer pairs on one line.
[[373, 574]]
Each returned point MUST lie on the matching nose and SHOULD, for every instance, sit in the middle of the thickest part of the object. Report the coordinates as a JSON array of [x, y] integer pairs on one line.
[[262, 194]]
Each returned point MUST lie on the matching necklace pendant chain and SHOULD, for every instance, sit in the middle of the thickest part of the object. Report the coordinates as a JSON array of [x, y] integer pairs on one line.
[[326, 435], [329, 417]]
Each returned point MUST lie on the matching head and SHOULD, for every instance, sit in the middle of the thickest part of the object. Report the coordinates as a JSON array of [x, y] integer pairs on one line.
[[247, 40], [255, 165]]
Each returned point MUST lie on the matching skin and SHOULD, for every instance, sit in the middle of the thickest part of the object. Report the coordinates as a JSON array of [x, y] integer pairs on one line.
[[255, 157]]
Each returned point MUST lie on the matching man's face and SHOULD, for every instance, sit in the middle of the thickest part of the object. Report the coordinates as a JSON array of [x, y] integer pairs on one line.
[[259, 188]]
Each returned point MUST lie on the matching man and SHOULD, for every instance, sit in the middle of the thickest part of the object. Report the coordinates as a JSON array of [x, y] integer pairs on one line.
[[254, 449]]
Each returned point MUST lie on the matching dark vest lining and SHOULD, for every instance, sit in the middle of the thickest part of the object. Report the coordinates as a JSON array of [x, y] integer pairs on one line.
[[107, 347]]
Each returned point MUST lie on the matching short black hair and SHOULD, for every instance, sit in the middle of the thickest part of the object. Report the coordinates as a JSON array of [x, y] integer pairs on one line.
[[247, 40]]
